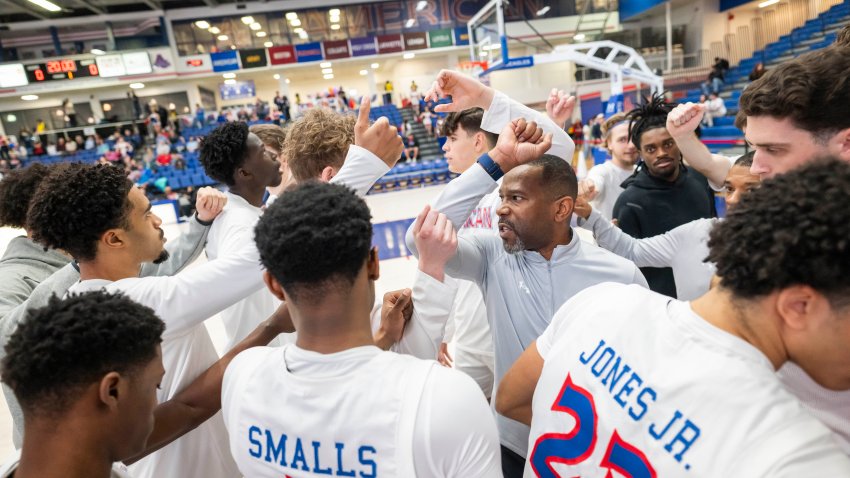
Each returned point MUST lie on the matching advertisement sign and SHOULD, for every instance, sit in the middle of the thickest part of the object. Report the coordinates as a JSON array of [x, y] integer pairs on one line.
[[390, 44], [461, 36], [281, 55], [363, 46], [440, 38], [225, 60], [194, 64], [309, 52], [13, 75], [337, 49], [253, 58], [110, 66], [415, 41], [136, 63], [240, 89]]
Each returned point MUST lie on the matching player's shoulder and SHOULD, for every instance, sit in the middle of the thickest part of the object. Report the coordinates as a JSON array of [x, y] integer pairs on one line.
[[251, 361], [610, 299]]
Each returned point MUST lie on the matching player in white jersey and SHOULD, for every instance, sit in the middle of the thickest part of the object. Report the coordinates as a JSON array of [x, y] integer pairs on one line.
[[537, 263], [626, 382], [85, 416], [333, 403], [602, 184], [684, 248]]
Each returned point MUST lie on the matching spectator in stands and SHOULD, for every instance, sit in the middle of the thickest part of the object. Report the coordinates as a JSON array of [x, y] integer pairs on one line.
[[716, 77], [80, 142], [193, 144], [758, 71], [60, 144], [715, 107], [426, 118], [90, 143], [411, 146], [388, 92], [343, 99], [40, 128], [71, 147], [137, 105], [4, 148], [663, 193], [123, 147], [200, 118], [596, 128], [38, 148], [70, 113]]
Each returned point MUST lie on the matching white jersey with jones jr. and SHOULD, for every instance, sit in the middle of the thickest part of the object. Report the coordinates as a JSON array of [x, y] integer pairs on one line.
[[637, 384]]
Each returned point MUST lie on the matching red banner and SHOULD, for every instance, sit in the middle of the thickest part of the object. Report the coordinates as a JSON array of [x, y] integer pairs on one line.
[[390, 44], [415, 41], [280, 55], [337, 49]]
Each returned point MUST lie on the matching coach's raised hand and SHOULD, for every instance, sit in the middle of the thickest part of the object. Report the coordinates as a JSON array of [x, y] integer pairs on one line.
[[381, 138], [519, 143], [466, 92], [209, 204]]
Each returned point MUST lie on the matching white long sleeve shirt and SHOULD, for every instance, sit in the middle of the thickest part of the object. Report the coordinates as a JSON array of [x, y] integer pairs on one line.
[[235, 226], [684, 249], [522, 291]]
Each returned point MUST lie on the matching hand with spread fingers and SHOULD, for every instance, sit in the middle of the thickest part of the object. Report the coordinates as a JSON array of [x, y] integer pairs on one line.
[[466, 92], [559, 107]]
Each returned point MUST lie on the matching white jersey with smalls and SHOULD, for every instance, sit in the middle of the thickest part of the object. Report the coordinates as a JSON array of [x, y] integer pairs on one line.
[[636, 382], [522, 291], [607, 178], [360, 412], [684, 249]]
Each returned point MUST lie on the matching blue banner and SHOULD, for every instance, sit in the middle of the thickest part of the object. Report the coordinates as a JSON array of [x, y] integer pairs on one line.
[[630, 8], [461, 36], [363, 46], [309, 52], [225, 60]]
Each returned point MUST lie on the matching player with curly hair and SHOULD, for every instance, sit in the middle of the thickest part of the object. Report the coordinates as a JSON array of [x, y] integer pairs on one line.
[[370, 412], [663, 193], [106, 397], [25, 264], [672, 388], [96, 215]]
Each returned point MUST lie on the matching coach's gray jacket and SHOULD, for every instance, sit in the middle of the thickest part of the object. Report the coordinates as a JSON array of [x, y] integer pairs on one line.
[[522, 291], [183, 250]]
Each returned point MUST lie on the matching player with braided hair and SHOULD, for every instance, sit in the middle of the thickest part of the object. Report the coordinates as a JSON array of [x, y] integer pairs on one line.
[[663, 193]]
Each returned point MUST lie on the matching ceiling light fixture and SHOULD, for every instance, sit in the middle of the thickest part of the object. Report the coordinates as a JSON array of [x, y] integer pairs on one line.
[[375, 66], [291, 16], [228, 76], [276, 76], [256, 26], [215, 30], [325, 64], [49, 6], [409, 56], [97, 51], [203, 24], [364, 72], [137, 86], [579, 37], [230, 82], [261, 34], [421, 5], [334, 12], [287, 81], [295, 22], [268, 44], [302, 35], [543, 11], [329, 77], [335, 26], [29, 97], [410, 23], [768, 3], [327, 70], [247, 20], [223, 38]]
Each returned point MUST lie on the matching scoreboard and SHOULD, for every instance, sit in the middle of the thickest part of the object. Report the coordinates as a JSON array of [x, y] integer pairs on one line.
[[61, 69]]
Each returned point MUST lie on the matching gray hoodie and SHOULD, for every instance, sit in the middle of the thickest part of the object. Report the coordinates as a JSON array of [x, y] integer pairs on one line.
[[23, 267]]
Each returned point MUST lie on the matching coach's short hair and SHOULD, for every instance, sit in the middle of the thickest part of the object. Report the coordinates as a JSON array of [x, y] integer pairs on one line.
[[558, 177], [813, 91], [319, 139], [795, 228], [316, 236]]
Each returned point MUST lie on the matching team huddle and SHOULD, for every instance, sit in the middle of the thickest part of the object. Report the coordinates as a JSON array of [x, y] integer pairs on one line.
[[673, 343]]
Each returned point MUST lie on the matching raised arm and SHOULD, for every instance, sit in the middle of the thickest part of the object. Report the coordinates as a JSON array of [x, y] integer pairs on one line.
[[186, 248], [500, 110], [376, 149], [516, 390], [682, 123], [201, 399]]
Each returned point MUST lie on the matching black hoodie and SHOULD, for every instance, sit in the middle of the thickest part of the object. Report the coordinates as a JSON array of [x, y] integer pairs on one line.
[[650, 206]]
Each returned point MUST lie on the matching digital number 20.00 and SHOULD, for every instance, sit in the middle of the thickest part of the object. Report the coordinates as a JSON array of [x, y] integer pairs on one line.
[[576, 446]]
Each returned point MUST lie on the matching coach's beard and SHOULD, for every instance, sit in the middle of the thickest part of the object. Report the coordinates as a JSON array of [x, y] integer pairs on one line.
[[514, 248]]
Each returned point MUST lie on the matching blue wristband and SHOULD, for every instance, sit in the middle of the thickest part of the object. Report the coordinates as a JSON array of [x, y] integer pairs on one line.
[[493, 169]]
